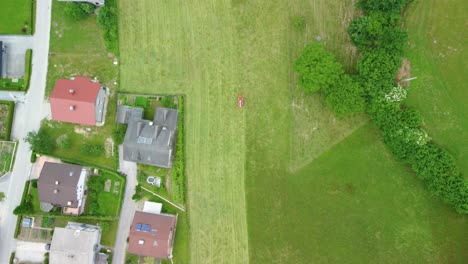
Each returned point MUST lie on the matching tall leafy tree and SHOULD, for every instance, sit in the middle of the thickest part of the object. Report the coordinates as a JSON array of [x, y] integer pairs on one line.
[[317, 68]]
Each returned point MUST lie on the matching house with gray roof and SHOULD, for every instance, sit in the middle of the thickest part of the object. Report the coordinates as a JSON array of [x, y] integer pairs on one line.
[[76, 244], [125, 113], [152, 142], [62, 185]]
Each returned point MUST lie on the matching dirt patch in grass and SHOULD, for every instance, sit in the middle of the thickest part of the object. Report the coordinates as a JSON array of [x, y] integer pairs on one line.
[[109, 146], [404, 72]]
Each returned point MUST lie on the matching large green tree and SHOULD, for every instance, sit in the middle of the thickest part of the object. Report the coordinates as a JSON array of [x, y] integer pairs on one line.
[[317, 68], [41, 142]]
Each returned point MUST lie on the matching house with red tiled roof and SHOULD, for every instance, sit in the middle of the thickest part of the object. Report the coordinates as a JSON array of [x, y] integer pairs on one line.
[[152, 234], [78, 100]]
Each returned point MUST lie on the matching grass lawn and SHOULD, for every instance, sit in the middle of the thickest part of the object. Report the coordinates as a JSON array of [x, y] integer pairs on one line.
[[16, 15], [109, 200], [280, 164], [437, 52]]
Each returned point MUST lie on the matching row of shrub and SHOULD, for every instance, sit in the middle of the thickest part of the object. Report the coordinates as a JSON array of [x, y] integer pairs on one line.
[[107, 18], [178, 168], [27, 70], [380, 38], [9, 119]]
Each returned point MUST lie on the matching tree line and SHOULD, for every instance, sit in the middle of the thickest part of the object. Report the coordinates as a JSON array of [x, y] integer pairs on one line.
[[379, 37]]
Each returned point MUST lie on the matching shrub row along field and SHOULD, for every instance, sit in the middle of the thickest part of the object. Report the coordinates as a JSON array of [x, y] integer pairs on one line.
[[379, 36], [354, 203]]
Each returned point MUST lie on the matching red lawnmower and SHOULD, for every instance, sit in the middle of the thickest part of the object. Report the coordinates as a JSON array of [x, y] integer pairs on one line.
[[240, 101]]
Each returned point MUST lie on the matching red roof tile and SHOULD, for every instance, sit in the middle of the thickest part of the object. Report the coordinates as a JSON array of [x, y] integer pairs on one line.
[[73, 101], [154, 241]]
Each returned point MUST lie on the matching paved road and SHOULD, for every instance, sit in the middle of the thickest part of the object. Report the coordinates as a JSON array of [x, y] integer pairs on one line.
[[28, 116], [128, 209], [16, 47]]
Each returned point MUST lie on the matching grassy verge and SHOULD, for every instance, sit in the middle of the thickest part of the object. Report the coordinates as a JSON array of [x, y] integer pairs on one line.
[[27, 71], [17, 17]]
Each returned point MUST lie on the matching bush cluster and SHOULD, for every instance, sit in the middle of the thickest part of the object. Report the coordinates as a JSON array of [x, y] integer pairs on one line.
[[107, 18], [118, 133], [79, 11], [92, 149], [378, 35], [319, 71], [25, 207], [95, 186], [41, 141], [178, 168]]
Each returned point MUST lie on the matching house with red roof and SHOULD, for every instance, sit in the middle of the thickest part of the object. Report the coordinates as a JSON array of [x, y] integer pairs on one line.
[[152, 234], [78, 100]]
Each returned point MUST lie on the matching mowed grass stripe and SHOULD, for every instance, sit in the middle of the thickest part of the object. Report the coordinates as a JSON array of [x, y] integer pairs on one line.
[[189, 48]]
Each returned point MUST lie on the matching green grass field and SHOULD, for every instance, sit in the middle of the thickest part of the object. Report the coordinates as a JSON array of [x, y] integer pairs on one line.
[[15, 15], [282, 180], [437, 52]]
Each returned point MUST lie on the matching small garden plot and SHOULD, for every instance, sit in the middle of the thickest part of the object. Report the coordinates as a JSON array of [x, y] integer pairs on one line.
[[103, 192], [6, 119], [11, 84], [7, 153]]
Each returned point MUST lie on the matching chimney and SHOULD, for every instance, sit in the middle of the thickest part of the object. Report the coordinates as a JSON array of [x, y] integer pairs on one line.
[[72, 107], [69, 203], [71, 91]]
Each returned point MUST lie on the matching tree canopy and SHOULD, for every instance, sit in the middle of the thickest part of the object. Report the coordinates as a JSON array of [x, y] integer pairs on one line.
[[317, 68]]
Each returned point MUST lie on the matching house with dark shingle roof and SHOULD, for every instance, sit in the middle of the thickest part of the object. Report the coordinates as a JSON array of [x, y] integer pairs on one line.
[[79, 100], [62, 185], [152, 235], [152, 142]]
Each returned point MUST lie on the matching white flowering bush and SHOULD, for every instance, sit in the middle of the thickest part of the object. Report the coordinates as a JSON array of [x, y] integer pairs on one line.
[[397, 94]]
